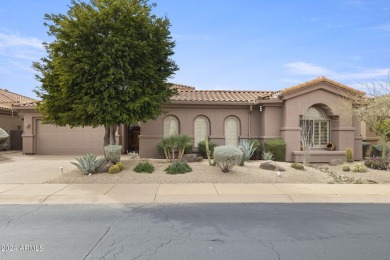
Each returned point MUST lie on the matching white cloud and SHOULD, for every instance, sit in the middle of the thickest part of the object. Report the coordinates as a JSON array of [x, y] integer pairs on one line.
[[12, 40], [385, 28], [355, 77], [304, 68]]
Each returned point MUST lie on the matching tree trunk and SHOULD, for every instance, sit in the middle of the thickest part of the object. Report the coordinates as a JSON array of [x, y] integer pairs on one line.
[[106, 135], [112, 134]]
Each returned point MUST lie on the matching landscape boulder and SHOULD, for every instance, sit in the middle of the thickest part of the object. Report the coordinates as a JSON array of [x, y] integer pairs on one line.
[[271, 166], [190, 157]]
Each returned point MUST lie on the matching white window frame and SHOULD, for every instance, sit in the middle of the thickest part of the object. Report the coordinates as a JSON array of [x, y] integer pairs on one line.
[[311, 122]]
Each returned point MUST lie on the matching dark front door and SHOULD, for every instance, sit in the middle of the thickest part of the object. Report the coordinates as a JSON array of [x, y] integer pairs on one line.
[[16, 140], [133, 141]]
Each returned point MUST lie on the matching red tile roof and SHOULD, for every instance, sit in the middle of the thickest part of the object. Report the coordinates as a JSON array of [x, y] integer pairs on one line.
[[8, 99], [319, 80], [221, 95]]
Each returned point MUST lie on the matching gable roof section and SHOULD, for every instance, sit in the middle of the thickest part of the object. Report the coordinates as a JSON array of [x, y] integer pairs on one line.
[[221, 95], [8, 99], [181, 87], [318, 80]]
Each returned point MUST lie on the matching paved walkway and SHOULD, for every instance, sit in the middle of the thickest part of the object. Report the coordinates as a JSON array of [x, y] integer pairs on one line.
[[22, 182], [192, 193]]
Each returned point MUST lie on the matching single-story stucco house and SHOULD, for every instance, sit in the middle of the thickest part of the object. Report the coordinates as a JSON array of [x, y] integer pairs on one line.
[[10, 120], [226, 116]]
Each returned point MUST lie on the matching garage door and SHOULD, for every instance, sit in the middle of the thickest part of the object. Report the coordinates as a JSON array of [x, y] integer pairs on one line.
[[66, 140]]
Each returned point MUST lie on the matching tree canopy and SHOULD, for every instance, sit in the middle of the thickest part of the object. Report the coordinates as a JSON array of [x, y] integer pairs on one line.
[[108, 65], [374, 110]]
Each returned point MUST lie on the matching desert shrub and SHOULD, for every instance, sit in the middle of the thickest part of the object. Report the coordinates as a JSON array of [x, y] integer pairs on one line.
[[377, 163], [248, 149], [89, 163], [297, 166], [114, 169], [346, 168], [144, 167], [113, 153], [277, 147], [178, 168], [226, 157], [120, 165], [349, 155], [134, 155], [202, 148], [268, 156], [359, 168], [256, 145], [199, 158]]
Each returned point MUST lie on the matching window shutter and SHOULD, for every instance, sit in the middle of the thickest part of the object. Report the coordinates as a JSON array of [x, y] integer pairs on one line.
[[200, 130], [171, 126], [231, 131]]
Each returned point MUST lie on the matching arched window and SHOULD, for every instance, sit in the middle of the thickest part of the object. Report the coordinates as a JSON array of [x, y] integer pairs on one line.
[[171, 126], [232, 127], [315, 128], [201, 129]]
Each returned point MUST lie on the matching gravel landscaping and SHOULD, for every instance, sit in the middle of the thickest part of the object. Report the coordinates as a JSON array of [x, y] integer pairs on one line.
[[250, 173]]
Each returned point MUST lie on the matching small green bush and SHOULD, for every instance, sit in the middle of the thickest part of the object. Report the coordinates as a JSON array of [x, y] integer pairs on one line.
[[120, 165], [277, 147], [178, 168], [297, 166], [349, 155], [226, 157], [359, 168], [202, 148], [144, 167], [114, 169], [346, 168]]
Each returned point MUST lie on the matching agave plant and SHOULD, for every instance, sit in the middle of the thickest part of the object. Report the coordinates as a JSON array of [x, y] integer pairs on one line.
[[89, 163], [248, 148]]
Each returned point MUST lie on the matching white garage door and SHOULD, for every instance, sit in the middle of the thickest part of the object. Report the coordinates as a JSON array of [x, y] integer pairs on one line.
[[65, 140]]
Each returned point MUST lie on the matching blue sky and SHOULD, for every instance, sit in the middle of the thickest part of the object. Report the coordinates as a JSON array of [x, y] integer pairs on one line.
[[236, 45]]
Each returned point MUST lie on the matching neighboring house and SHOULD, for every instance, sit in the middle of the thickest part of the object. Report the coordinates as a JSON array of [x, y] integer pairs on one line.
[[10, 120], [226, 117]]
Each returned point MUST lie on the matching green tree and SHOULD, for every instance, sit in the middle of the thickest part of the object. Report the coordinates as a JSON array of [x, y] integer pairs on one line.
[[108, 65], [374, 109]]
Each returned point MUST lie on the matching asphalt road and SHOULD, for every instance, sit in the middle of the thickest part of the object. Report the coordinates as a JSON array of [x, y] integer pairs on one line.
[[196, 231]]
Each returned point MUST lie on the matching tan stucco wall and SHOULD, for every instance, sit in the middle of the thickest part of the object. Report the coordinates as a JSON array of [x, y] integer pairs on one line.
[[152, 130], [279, 118], [342, 129], [76, 141]]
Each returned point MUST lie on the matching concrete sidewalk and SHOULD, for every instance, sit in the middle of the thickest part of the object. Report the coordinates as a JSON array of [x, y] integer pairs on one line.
[[192, 193]]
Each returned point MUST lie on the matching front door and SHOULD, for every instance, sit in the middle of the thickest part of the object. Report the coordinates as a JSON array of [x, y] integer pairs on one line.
[[133, 141]]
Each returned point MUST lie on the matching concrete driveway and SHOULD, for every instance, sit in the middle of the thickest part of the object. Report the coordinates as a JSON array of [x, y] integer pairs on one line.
[[18, 168]]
